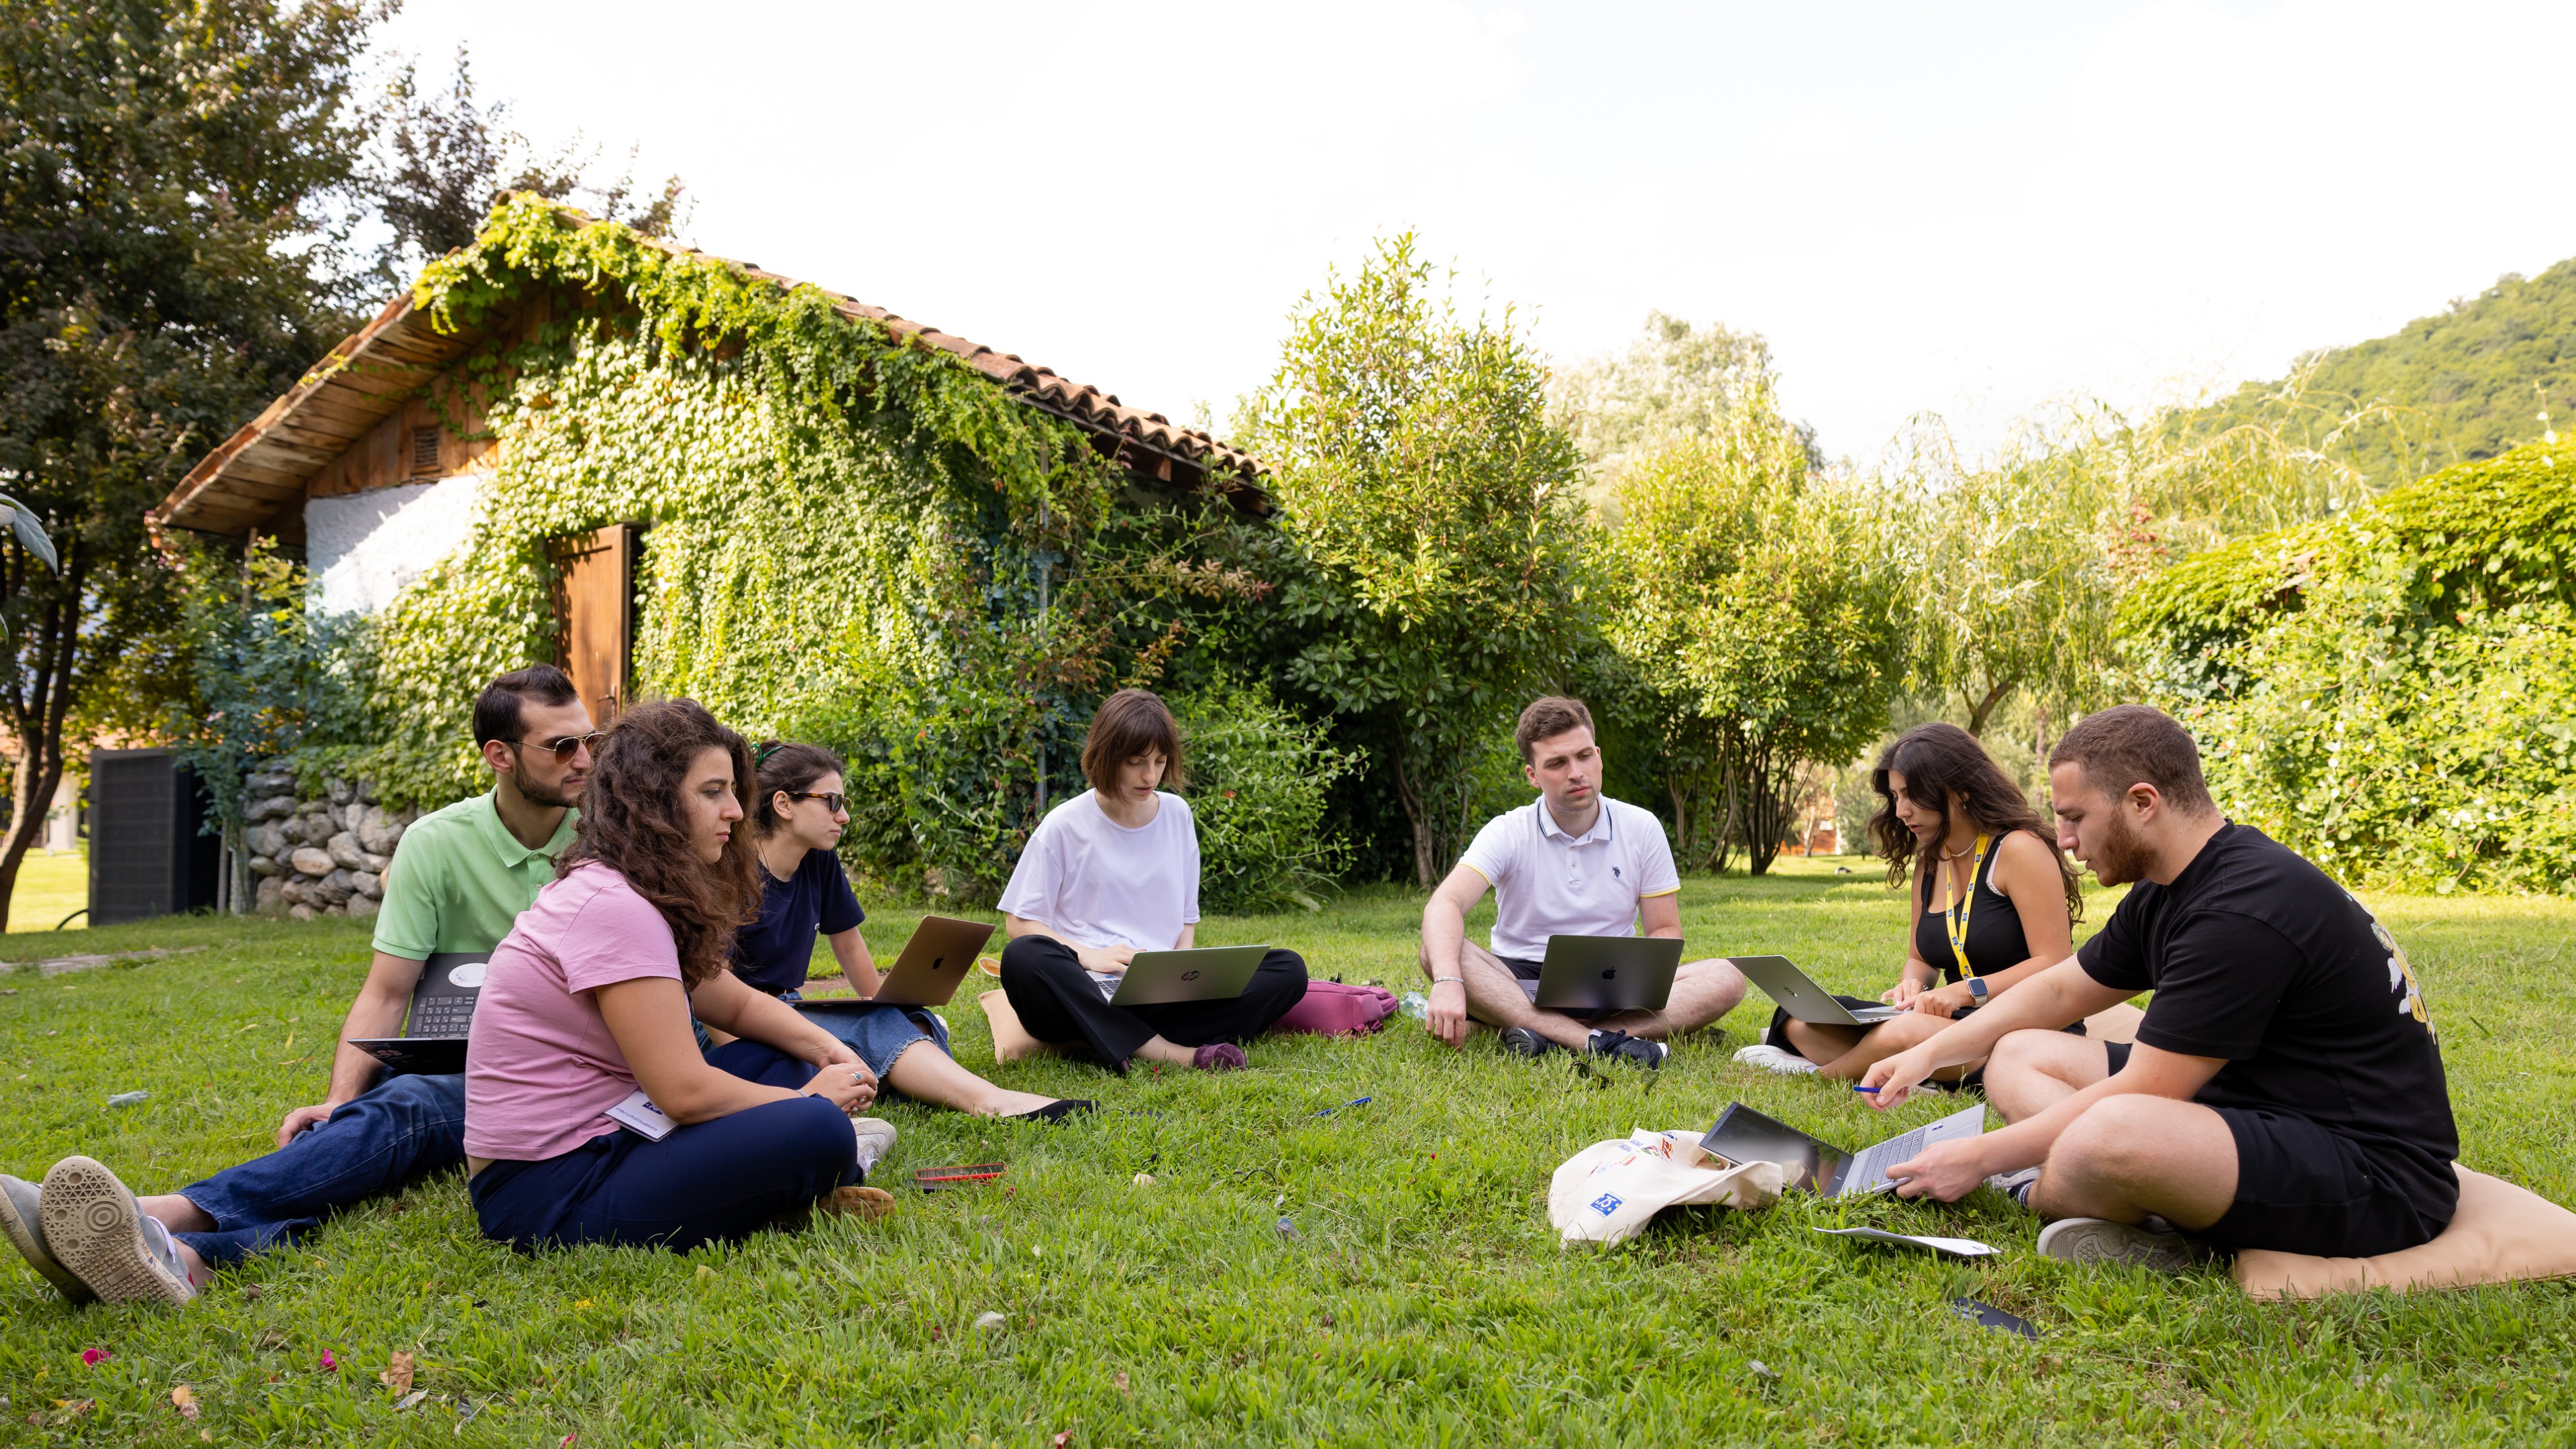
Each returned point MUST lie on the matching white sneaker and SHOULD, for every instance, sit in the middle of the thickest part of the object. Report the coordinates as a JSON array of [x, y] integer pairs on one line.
[[2015, 1184], [876, 1139], [1774, 1059], [97, 1230], [2097, 1240]]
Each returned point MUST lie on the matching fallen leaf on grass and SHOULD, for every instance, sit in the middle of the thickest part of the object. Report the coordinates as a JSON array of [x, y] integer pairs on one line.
[[252, 1290], [410, 1400], [184, 1399], [397, 1375], [1062, 1440], [1118, 1381], [93, 1357]]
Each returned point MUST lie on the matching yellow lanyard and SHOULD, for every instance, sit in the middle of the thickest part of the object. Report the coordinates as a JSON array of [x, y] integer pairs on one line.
[[1965, 904]]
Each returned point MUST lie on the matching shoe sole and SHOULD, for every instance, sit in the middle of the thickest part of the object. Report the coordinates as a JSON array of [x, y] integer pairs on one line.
[[2095, 1241], [94, 1227], [26, 1234], [867, 1203]]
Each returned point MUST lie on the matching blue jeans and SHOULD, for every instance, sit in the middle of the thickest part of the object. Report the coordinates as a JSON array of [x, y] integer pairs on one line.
[[715, 1181], [877, 1032], [407, 1125]]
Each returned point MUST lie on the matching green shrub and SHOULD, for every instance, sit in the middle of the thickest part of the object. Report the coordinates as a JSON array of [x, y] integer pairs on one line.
[[2393, 693], [1258, 781]]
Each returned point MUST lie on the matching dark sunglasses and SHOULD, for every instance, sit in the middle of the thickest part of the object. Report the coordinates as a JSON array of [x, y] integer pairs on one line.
[[563, 749], [832, 800]]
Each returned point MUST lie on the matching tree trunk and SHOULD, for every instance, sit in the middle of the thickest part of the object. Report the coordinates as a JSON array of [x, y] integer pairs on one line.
[[1979, 710], [1417, 815], [36, 717]]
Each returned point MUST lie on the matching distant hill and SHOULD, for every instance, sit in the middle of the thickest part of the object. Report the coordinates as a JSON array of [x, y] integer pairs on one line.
[[2473, 379]]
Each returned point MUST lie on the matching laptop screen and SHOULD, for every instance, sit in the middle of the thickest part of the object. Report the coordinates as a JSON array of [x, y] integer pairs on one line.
[[1744, 1135]]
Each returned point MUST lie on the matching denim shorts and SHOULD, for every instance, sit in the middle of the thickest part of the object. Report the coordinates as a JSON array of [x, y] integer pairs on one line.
[[878, 1032]]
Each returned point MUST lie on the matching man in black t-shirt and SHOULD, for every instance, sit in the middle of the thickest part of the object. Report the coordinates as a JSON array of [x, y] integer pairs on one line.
[[2286, 1088]]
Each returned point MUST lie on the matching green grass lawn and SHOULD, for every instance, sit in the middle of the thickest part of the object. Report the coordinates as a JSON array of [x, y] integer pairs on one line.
[[50, 887], [1422, 1299]]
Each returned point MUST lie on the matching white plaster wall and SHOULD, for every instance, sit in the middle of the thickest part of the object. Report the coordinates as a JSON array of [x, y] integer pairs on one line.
[[367, 547]]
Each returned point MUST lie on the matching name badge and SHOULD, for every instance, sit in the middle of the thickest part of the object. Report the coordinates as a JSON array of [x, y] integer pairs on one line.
[[638, 1115]]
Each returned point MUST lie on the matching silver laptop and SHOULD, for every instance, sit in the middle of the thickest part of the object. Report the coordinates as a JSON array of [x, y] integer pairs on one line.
[[1205, 973], [1782, 981], [1744, 1135], [940, 953], [1608, 973]]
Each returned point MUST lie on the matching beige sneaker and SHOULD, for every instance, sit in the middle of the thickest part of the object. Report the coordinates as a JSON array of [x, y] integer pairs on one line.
[[95, 1229], [22, 1223], [876, 1139], [869, 1203], [2099, 1240]]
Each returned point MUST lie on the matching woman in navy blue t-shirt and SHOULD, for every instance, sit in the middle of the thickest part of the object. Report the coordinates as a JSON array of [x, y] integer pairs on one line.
[[805, 893]]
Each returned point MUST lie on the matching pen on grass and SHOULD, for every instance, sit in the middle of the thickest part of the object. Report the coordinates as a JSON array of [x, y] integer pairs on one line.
[[1873, 1091]]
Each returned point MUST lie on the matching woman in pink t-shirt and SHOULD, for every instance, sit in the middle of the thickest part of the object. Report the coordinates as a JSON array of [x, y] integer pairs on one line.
[[585, 1011]]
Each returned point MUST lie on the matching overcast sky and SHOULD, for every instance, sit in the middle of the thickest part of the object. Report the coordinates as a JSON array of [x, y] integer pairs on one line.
[[1972, 209]]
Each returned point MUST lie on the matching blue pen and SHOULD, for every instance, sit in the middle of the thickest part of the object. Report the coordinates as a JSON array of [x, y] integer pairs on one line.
[[1873, 1091]]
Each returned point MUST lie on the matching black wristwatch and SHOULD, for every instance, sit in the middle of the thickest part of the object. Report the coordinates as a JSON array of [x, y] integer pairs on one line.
[[1977, 988]]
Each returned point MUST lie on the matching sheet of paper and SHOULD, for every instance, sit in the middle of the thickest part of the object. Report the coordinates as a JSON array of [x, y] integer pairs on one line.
[[639, 1116], [1956, 1247]]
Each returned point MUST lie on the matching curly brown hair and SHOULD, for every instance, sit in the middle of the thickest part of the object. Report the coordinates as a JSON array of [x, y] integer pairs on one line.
[[635, 821], [1938, 761]]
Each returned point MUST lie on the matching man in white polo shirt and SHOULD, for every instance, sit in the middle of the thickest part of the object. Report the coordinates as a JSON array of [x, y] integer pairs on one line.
[[1575, 863]]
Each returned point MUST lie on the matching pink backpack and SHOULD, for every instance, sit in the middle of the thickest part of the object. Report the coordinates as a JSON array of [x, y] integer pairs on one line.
[[1333, 1009]]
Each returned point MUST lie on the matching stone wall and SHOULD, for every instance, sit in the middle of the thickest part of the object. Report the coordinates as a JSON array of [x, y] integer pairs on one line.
[[324, 856]]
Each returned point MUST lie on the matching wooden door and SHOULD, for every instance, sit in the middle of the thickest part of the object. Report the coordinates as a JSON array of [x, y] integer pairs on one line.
[[595, 615]]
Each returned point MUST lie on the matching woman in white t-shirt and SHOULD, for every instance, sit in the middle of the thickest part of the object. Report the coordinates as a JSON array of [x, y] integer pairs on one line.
[[1111, 872]]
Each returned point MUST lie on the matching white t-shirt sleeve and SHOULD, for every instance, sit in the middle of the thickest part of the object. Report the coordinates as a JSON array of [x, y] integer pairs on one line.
[[1655, 873], [1492, 853], [1189, 863], [1035, 880]]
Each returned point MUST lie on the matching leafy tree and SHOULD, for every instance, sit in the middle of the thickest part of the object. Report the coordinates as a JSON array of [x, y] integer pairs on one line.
[[167, 265], [1676, 381], [1439, 507], [1759, 603], [439, 161]]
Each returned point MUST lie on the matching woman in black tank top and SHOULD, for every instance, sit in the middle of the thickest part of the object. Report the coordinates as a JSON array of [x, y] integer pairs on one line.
[[1994, 902]]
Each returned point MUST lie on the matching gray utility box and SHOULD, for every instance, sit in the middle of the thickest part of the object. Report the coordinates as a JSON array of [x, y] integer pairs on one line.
[[148, 852]]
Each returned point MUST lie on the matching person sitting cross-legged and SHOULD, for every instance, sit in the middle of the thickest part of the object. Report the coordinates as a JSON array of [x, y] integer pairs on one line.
[[1572, 862], [2286, 1088], [587, 1010], [1995, 904], [1114, 871], [459, 879]]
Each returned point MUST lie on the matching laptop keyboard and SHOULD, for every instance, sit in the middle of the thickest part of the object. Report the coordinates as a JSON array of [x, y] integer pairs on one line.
[[1869, 1170], [441, 1016]]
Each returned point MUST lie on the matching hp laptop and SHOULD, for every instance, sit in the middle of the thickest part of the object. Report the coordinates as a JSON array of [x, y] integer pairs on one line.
[[1207, 973], [1783, 982], [1608, 973], [442, 1007], [937, 958], [1744, 1135]]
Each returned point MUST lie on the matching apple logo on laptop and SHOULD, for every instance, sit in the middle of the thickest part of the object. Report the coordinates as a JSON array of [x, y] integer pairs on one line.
[[1609, 974], [466, 977], [1190, 975], [935, 960]]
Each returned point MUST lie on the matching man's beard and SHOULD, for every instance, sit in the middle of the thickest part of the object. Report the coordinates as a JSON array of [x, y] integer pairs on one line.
[[555, 796], [2121, 856]]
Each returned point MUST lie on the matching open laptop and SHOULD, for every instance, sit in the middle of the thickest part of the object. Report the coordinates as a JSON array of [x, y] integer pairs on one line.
[[1782, 981], [442, 1007], [1744, 1135], [936, 959], [1204, 973], [1608, 973]]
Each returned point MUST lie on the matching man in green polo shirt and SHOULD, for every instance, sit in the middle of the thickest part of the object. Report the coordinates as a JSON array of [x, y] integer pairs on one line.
[[459, 879]]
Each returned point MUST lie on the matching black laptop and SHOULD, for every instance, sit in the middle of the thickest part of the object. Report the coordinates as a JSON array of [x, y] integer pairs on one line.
[[442, 1007]]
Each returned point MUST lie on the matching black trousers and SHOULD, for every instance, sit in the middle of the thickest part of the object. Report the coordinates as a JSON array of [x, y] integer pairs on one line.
[[1061, 1004]]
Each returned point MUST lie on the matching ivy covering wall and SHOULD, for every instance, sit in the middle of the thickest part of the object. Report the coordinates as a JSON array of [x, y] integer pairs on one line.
[[849, 538], [2392, 692]]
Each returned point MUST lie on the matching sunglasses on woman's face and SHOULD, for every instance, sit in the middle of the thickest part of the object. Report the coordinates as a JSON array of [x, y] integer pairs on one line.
[[565, 748], [832, 800]]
